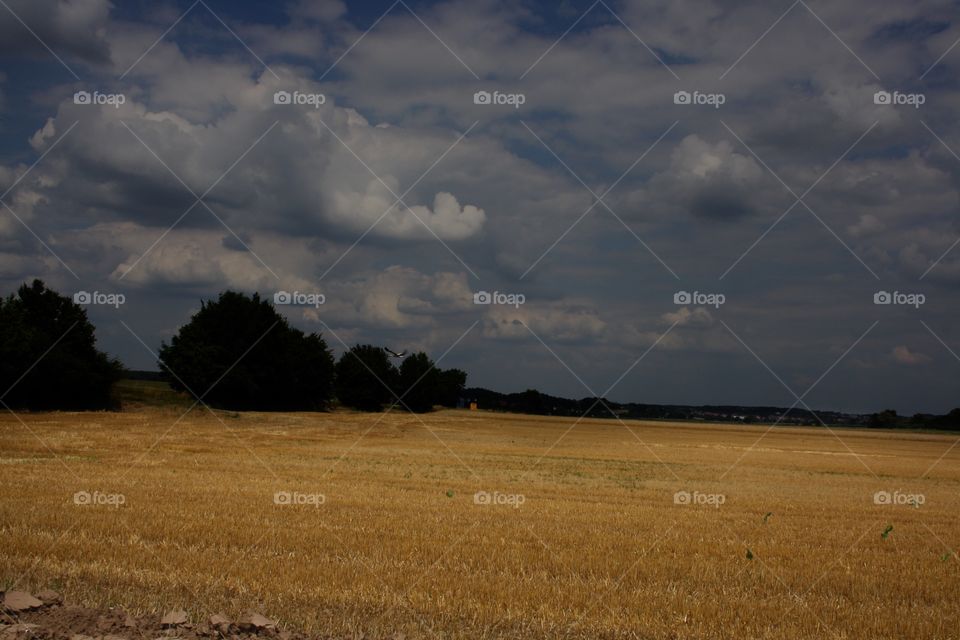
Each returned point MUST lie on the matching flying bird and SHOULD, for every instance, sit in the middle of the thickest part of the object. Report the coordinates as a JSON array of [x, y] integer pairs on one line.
[[394, 353]]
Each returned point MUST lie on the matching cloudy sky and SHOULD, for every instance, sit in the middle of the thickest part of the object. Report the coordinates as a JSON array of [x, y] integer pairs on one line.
[[781, 163]]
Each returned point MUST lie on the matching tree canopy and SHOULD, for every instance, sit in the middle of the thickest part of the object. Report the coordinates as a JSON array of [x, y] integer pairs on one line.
[[365, 378], [238, 352], [48, 354], [418, 387]]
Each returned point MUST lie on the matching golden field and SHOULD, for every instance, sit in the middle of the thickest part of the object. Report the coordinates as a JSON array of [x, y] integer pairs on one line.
[[598, 548]]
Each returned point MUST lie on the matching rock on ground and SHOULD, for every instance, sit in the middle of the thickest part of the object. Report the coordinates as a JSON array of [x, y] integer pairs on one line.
[[174, 618], [219, 620], [254, 620], [17, 601]]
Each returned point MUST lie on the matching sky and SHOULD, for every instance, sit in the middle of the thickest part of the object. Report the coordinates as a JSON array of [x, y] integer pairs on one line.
[[659, 201]]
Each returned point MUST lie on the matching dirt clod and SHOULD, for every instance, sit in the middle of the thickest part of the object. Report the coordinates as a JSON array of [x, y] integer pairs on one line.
[[17, 601], [255, 621], [174, 618], [20, 630], [49, 597], [218, 620], [58, 621]]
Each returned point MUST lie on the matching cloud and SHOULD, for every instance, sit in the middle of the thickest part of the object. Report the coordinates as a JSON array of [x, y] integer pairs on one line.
[[68, 27], [447, 219], [867, 224], [564, 322], [904, 355], [307, 169], [711, 181], [399, 298], [684, 316]]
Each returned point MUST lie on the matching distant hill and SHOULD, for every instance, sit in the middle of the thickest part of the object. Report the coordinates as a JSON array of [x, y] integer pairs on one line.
[[534, 402], [149, 387]]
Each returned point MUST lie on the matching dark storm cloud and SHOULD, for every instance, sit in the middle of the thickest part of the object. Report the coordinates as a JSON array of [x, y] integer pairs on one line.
[[720, 202], [75, 30]]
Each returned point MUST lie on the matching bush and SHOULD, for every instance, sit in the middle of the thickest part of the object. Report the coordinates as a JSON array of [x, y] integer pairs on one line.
[[48, 354], [239, 353], [365, 377]]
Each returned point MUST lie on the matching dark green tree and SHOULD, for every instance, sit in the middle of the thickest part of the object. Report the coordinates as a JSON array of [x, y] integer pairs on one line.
[[419, 383], [365, 377], [48, 354], [886, 419], [450, 387], [238, 353]]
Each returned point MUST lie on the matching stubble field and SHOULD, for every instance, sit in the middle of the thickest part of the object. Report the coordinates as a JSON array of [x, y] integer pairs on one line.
[[348, 524]]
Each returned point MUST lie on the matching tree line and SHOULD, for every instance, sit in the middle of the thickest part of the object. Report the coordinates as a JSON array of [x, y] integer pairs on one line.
[[237, 352]]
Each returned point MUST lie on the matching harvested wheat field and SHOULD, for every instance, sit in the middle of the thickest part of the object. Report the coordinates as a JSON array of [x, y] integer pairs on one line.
[[346, 524]]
